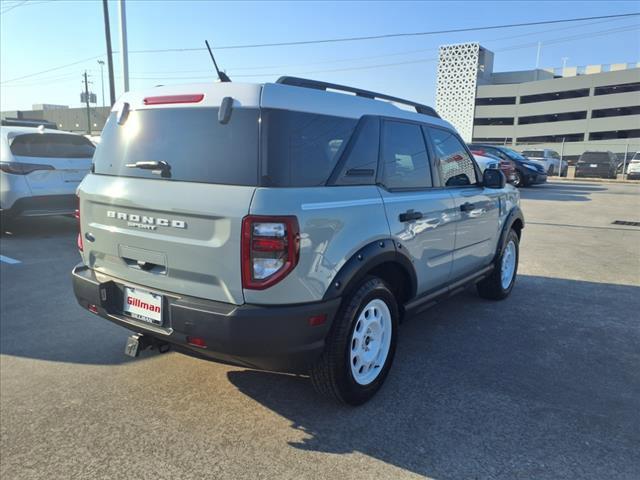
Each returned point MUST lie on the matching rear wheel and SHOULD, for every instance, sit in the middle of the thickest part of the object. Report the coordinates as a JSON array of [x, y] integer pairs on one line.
[[499, 284], [517, 180], [551, 171], [361, 345]]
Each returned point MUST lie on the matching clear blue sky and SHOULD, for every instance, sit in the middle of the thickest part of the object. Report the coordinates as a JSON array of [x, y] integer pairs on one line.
[[39, 35]]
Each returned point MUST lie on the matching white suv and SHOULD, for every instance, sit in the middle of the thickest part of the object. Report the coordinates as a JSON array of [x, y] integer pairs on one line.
[[549, 159], [40, 170]]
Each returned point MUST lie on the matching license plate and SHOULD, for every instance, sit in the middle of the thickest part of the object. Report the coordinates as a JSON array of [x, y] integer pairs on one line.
[[593, 165], [143, 305]]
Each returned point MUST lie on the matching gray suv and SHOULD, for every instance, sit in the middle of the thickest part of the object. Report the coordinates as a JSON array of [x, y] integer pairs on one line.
[[287, 226]]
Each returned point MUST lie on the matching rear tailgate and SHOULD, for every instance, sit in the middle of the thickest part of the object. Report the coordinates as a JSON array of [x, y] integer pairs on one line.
[[178, 237], [177, 229]]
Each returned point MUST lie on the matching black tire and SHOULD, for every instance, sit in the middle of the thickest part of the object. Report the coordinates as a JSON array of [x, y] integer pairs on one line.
[[518, 181], [491, 287], [551, 171], [7, 219], [331, 375]]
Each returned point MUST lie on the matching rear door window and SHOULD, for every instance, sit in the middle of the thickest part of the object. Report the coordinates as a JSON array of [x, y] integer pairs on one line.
[[302, 149], [191, 140], [405, 163], [457, 168], [52, 145]]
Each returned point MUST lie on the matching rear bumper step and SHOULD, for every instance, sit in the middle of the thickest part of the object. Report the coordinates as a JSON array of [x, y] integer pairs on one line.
[[275, 338]]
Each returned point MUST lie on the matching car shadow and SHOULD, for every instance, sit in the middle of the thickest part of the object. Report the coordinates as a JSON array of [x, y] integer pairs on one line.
[[543, 385], [39, 227], [565, 192]]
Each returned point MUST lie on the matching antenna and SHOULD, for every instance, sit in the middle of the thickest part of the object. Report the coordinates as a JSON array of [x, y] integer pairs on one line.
[[221, 75]]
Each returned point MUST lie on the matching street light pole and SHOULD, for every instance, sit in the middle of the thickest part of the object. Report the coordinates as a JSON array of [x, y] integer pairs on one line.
[[101, 63], [107, 34], [123, 44]]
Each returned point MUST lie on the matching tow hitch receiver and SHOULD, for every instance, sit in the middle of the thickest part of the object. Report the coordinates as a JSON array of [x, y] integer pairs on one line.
[[138, 342]]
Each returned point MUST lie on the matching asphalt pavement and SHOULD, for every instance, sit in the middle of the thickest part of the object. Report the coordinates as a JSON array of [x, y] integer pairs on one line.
[[544, 385]]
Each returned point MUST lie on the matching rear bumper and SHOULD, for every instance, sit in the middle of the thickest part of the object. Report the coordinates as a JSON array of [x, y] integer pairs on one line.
[[275, 338], [43, 205], [633, 176]]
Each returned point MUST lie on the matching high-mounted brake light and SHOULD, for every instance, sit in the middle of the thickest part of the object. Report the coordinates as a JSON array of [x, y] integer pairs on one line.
[[270, 250], [165, 99]]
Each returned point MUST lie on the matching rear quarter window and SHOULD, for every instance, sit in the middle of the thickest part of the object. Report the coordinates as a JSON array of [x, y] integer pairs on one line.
[[51, 145], [302, 149]]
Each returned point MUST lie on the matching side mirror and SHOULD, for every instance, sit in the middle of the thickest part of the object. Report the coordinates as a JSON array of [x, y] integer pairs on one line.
[[493, 178]]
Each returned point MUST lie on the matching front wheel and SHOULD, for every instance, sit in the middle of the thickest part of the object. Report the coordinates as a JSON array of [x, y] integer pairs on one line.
[[499, 284], [517, 180], [361, 345]]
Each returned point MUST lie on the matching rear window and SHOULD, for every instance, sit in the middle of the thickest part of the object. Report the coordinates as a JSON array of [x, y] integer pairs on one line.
[[52, 145], [191, 140], [302, 149], [594, 157]]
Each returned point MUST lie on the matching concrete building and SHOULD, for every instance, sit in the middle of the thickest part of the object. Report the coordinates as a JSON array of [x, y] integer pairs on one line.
[[570, 110], [69, 119]]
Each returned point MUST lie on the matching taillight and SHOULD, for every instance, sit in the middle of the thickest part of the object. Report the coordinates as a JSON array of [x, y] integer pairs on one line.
[[167, 99], [77, 215], [270, 250], [18, 168]]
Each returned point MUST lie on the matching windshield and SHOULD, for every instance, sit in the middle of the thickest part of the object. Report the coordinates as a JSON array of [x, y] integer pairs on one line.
[[533, 154], [512, 154]]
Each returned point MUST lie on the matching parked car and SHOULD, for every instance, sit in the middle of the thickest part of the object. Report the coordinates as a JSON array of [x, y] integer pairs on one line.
[[40, 170], [285, 227], [633, 170], [597, 165], [549, 159], [488, 160], [526, 173]]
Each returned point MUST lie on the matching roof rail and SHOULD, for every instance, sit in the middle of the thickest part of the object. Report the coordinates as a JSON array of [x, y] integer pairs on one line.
[[317, 85]]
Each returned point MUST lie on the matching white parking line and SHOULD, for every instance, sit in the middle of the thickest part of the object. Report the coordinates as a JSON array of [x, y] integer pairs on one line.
[[9, 260]]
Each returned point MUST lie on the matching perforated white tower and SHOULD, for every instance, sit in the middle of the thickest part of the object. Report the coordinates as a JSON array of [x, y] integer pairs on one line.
[[458, 70]]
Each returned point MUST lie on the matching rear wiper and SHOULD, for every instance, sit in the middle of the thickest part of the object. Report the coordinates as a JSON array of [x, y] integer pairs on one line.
[[160, 167]]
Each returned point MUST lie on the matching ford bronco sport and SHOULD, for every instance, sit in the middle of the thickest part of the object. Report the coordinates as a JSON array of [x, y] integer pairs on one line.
[[286, 226]]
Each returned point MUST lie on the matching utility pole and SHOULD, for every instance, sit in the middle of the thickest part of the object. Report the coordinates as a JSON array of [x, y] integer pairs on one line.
[[123, 44], [86, 99], [107, 34], [101, 63], [538, 55], [564, 63]]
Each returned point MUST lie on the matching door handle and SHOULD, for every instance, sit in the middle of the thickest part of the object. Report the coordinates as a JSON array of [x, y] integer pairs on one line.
[[410, 215], [467, 207]]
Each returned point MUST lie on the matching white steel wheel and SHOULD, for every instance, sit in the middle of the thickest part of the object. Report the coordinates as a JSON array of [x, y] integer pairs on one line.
[[508, 264], [370, 342]]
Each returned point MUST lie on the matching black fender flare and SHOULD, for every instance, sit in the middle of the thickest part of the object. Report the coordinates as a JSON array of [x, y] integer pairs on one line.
[[514, 214], [367, 258]]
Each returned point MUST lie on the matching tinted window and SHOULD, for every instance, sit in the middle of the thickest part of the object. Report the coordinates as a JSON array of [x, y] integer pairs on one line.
[[621, 88], [493, 121], [456, 166], [496, 101], [595, 157], [533, 153], [302, 149], [197, 147], [404, 156], [362, 156], [56, 145], [547, 97]]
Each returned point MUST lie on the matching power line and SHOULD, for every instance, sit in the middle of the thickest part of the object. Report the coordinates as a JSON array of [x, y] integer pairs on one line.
[[493, 27], [388, 35], [395, 64]]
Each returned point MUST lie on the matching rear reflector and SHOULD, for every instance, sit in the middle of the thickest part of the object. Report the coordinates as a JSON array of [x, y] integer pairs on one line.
[[92, 308], [197, 342], [165, 99], [317, 320]]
